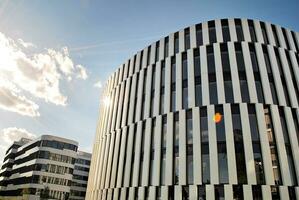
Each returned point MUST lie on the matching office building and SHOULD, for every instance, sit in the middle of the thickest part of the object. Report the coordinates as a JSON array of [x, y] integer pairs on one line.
[[208, 112]]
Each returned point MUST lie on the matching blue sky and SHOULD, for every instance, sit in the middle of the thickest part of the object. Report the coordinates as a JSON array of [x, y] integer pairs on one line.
[[101, 35]]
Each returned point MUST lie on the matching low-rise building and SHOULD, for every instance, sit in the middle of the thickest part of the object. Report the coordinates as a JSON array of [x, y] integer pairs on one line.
[[43, 167]]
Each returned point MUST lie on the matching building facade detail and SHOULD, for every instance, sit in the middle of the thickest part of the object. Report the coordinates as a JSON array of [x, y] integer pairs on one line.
[[208, 112]]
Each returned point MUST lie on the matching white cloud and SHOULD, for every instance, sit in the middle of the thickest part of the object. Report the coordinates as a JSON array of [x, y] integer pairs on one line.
[[25, 44], [38, 75], [82, 73], [98, 84], [11, 134], [11, 100]]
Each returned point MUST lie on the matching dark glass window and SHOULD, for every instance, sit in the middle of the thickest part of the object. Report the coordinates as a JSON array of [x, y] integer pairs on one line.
[[275, 35], [285, 37], [212, 76], [163, 147], [239, 146], [166, 47], [257, 192], [162, 74], [176, 149], [239, 30], [153, 133], [291, 68], [275, 193], [229, 95], [210, 60], [185, 97], [184, 66], [148, 56], [173, 70], [296, 124], [221, 146], [239, 57], [197, 68], [176, 42], [198, 94], [294, 40], [252, 31], [225, 59], [219, 192], [173, 98], [244, 91], [189, 136], [258, 159], [272, 143], [185, 193], [267, 60], [187, 39], [225, 30], [288, 146], [157, 51], [283, 81], [212, 32], [253, 58], [199, 40], [204, 145], [201, 192], [213, 93], [264, 32], [238, 192]]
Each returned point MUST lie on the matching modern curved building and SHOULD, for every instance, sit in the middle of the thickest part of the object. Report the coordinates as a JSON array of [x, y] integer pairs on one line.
[[208, 112]]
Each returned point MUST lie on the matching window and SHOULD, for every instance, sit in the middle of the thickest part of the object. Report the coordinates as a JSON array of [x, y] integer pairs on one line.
[[295, 41], [285, 37], [238, 192], [185, 193], [176, 149], [257, 192], [212, 32], [264, 32], [163, 152], [239, 30], [184, 66], [275, 35], [283, 81], [239, 146], [152, 156], [173, 98], [199, 40], [221, 147], [157, 51], [176, 42], [185, 80], [258, 159], [197, 69], [166, 47], [219, 192], [288, 146], [187, 39], [228, 88], [225, 30], [253, 58], [204, 145], [189, 136], [252, 31], [225, 59], [148, 56], [272, 143], [212, 76], [201, 192]]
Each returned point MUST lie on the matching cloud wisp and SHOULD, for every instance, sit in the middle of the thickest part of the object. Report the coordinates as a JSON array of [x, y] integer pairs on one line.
[[24, 77], [11, 134]]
